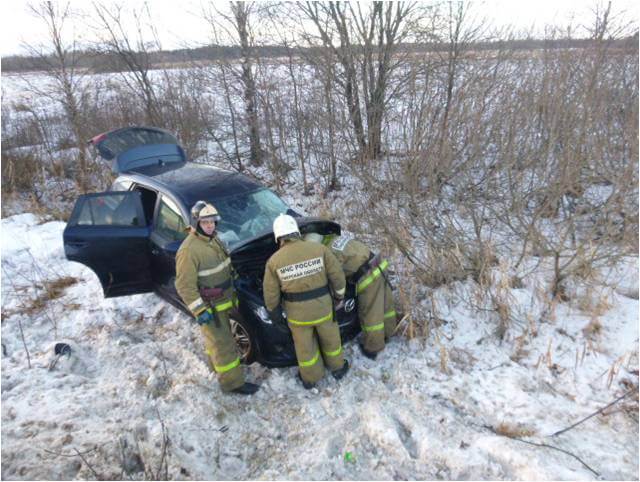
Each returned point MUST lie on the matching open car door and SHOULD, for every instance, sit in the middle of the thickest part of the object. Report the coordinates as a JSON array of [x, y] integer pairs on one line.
[[107, 232]]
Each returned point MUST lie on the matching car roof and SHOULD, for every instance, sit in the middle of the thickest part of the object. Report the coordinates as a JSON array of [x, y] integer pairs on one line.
[[193, 182]]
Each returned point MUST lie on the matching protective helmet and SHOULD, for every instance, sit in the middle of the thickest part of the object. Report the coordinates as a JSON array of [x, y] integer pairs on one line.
[[203, 210], [285, 226], [314, 237]]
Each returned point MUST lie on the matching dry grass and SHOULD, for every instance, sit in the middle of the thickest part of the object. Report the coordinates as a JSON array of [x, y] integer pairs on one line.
[[444, 358], [593, 302], [461, 358], [50, 290], [47, 212], [513, 430], [623, 363], [482, 260], [593, 328], [520, 351], [516, 283], [19, 169], [56, 288]]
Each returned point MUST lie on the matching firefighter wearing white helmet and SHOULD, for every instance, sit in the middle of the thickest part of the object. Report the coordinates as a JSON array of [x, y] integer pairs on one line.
[[302, 277], [375, 299], [204, 281]]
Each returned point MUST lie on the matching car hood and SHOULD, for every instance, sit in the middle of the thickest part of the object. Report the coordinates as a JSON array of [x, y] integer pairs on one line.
[[251, 256]]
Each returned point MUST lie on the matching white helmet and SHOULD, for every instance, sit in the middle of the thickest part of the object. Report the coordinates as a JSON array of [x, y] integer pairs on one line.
[[203, 210], [314, 237], [285, 226]]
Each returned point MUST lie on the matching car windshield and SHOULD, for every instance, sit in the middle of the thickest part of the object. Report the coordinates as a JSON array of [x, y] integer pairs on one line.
[[247, 215]]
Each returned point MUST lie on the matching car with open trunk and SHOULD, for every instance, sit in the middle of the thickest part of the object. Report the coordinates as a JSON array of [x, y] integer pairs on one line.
[[128, 236]]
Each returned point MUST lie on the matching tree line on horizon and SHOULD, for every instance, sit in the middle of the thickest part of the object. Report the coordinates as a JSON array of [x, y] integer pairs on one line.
[[98, 61]]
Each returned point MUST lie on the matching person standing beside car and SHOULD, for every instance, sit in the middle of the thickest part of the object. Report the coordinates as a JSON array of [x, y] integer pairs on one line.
[[373, 289], [302, 277], [204, 282]]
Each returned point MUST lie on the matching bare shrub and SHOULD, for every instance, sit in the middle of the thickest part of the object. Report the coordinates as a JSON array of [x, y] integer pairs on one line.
[[512, 169], [65, 87], [593, 302], [18, 169]]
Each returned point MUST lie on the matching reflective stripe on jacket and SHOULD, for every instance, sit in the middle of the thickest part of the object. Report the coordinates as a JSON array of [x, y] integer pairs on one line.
[[202, 262], [369, 277]]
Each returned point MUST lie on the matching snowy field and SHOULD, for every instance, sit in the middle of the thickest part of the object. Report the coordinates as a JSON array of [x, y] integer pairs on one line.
[[135, 399]]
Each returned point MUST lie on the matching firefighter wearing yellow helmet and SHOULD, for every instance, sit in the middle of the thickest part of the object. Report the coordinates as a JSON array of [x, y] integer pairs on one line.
[[204, 281], [301, 277], [375, 299]]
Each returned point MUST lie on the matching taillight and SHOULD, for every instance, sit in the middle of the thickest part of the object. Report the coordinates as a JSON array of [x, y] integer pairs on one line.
[[98, 138]]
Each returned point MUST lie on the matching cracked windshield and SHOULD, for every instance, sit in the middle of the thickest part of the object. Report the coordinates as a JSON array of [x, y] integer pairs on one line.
[[247, 215]]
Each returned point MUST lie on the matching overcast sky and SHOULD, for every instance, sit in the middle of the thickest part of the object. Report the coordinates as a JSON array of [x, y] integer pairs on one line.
[[179, 24]]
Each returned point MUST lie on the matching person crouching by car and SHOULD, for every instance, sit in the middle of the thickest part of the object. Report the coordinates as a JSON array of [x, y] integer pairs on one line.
[[203, 280], [373, 289], [302, 276]]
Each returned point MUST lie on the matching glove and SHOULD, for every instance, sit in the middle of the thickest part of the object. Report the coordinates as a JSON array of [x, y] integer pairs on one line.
[[205, 317], [276, 316], [211, 293], [338, 303]]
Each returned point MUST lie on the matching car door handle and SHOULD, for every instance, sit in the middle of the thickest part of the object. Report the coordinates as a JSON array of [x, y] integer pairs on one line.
[[77, 244]]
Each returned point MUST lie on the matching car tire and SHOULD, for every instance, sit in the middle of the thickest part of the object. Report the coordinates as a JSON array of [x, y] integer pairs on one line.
[[245, 340]]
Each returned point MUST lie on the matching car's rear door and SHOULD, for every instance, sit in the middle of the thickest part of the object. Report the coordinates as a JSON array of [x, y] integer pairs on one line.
[[107, 232], [169, 230]]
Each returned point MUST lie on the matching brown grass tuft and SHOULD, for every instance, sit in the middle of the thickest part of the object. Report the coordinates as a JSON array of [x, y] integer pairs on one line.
[[593, 328], [56, 288], [50, 290], [593, 302], [514, 430]]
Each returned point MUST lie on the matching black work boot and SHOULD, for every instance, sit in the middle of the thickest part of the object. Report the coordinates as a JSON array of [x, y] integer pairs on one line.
[[246, 389], [341, 372], [306, 385], [369, 354]]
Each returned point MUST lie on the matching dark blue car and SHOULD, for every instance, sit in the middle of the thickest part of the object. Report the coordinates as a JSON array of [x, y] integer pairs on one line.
[[129, 235]]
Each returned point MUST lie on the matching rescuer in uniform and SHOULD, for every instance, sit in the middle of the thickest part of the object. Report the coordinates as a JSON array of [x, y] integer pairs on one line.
[[203, 280], [375, 299], [303, 277]]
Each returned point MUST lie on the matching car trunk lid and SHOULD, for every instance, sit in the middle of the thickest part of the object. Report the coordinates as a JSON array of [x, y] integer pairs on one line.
[[133, 148]]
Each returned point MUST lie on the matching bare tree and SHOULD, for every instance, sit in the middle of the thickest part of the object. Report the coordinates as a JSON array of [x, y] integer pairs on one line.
[[236, 27], [132, 51], [364, 41], [66, 89], [241, 12]]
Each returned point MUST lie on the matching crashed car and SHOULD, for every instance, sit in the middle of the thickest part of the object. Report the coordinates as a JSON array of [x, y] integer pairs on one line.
[[128, 236]]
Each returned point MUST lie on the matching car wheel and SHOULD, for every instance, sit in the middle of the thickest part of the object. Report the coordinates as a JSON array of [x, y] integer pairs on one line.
[[245, 340]]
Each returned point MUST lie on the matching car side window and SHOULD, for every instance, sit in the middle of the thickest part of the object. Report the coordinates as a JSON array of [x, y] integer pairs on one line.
[[110, 210], [170, 224]]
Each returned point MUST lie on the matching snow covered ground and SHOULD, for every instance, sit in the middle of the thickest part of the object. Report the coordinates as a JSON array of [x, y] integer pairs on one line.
[[135, 392]]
